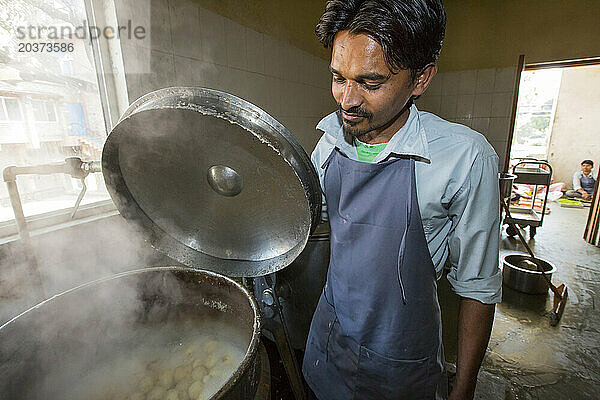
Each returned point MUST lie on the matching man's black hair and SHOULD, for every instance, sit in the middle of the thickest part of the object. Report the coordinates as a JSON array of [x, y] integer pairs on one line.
[[589, 162], [410, 32]]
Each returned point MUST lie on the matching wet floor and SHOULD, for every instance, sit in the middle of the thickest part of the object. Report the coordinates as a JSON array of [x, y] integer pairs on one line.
[[526, 357]]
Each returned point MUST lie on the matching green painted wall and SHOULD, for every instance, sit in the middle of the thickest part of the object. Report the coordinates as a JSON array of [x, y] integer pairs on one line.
[[480, 34]]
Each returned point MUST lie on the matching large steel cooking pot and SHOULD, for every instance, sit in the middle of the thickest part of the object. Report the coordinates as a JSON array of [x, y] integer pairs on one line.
[[49, 348], [299, 286], [213, 181]]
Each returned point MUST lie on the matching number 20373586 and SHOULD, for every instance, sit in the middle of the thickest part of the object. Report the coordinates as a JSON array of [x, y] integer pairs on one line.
[[45, 47]]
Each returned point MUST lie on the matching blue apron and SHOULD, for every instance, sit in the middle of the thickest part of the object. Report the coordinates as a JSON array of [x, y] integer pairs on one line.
[[587, 184], [376, 332]]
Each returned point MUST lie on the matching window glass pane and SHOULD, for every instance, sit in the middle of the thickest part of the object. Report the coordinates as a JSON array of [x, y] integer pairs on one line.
[[51, 114], [2, 112], [538, 97], [38, 110], [13, 110]]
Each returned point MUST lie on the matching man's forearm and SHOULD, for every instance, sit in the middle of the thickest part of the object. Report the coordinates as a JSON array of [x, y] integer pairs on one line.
[[474, 327]]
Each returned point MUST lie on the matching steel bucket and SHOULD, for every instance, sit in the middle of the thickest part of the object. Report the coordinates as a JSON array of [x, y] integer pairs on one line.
[[506, 183], [519, 273]]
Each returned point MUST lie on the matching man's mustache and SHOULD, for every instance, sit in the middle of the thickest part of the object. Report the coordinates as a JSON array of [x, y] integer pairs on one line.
[[356, 110]]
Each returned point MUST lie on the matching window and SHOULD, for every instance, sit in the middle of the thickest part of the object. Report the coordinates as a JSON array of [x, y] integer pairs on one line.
[[11, 109], [43, 111], [57, 102], [538, 96]]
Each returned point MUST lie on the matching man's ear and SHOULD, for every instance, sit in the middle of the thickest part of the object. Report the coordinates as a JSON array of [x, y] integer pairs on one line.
[[423, 80]]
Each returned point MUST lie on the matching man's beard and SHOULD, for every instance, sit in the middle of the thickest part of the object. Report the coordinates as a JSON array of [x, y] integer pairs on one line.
[[349, 128]]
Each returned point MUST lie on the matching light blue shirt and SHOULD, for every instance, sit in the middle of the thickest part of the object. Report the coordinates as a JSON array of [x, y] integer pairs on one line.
[[457, 189]]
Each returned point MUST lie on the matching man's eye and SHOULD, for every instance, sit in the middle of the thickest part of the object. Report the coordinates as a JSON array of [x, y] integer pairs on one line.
[[339, 79], [371, 86]]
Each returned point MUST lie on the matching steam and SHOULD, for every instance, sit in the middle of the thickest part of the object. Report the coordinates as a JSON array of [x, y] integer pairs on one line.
[[69, 257], [98, 334]]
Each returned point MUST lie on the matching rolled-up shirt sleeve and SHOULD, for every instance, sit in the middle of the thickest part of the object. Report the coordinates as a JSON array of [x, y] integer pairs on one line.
[[474, 237]]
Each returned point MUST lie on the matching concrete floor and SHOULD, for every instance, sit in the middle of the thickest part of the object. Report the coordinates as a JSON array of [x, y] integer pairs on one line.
[[527, 358]]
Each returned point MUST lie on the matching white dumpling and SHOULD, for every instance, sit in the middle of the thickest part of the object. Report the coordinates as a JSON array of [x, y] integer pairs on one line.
[[181, 372], [190, 350], [172, 394], [195, 389], [210, 361], [199, 373], [210, 346], [182, 389], [198, 362], [157, 393], [165, 378]]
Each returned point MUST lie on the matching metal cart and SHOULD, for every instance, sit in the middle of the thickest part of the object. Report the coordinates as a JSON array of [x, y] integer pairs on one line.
[[530, 172]]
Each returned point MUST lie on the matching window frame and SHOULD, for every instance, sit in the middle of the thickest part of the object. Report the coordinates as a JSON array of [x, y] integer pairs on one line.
[[110, 75], [45, 104], [19, 103]]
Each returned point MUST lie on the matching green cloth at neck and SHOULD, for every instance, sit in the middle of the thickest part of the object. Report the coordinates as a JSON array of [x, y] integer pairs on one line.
[[368, 152]]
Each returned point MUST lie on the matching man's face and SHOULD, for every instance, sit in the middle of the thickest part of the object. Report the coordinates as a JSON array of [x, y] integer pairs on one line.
[[586, 168], [371, 99]]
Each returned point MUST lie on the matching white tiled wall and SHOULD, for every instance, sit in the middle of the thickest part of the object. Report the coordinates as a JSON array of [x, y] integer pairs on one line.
[[192, 46], [481, 99]]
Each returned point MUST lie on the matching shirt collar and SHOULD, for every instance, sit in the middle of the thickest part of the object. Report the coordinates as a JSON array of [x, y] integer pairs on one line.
[[410, 140]]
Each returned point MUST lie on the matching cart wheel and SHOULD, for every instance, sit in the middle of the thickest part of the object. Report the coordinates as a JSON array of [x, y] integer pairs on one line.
[[532, 232], [511, 230]]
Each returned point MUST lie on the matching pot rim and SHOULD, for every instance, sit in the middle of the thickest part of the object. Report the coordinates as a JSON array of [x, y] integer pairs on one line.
[[506, 263]]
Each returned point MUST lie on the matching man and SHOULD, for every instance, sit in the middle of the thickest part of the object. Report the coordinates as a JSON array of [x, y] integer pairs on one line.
[[583, 182], [405, 191]]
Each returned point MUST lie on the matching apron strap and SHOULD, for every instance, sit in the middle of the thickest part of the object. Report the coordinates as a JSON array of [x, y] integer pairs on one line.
[[402, 251], [328, 161]]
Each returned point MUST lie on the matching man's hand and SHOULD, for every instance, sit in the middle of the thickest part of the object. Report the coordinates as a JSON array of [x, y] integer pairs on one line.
[[474, 327], [584, 194]]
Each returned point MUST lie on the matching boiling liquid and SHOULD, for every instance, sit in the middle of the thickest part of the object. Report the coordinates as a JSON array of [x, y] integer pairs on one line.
[[168, 365]]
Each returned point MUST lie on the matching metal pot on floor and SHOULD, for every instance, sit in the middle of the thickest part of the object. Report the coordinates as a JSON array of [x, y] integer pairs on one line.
[[522, 274]]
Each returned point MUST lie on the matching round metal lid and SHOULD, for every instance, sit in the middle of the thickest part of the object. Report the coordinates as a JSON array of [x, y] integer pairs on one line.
[[213, 181]]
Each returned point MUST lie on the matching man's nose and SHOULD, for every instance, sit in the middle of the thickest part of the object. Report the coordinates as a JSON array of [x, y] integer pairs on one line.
[[350, 96]]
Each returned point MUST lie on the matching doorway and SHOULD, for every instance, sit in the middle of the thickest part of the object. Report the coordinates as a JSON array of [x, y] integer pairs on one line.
[[557, 120], [557, 117]]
